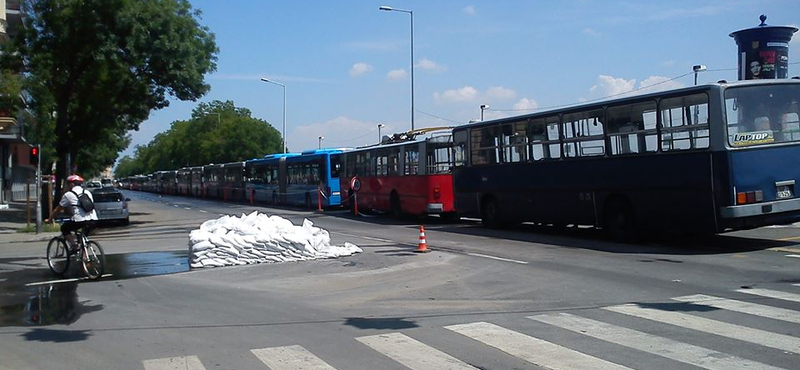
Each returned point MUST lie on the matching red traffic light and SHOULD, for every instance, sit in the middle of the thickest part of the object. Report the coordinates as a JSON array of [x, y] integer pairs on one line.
[[35, 151]]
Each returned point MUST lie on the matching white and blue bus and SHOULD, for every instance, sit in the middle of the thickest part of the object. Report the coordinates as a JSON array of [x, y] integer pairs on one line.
[[705, 159], [303, 179]]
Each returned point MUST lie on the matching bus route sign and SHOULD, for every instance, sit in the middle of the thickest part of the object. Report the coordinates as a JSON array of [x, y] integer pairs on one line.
[[355, 184]]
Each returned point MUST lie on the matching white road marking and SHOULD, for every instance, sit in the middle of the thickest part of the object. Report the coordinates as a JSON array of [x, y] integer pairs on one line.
[[203, 211], [412, 353], [290, 358], [497, 258], [743, 307], [664, 347], [174, 363], [793, 255], [536, 351], [63, 280], [743, 333], [772, 294], [187, 208]]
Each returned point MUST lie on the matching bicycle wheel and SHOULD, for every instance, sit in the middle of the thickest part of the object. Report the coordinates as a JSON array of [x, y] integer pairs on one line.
[[57, 255], [93, 260]]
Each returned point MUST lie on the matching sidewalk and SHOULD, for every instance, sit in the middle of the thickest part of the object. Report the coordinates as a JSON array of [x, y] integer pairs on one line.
[[13, 219]]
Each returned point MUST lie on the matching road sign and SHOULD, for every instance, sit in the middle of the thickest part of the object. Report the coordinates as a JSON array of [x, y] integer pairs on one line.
[[355, 184]]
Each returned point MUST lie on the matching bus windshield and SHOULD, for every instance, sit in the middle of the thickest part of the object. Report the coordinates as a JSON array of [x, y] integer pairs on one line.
[[765, 114]]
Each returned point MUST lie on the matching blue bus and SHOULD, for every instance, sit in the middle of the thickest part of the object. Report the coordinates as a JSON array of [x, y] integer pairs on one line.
[[263, 178], [295, 178], [701, 159]]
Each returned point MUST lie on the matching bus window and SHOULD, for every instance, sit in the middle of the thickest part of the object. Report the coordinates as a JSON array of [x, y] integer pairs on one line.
[[459, 148], [393, 161], [762, 115], [583, 134], [632, 128], [513, 143], [336, 165], [553, 138], [684, 122], [411, 161], [440, 158], [484, 146]]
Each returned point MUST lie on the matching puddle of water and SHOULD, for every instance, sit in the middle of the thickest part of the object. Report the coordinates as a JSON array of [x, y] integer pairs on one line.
[[58, 303], [128, 265], [44, 305]]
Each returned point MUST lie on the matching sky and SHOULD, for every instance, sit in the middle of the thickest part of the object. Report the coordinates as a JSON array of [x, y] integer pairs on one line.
[[346, 65]]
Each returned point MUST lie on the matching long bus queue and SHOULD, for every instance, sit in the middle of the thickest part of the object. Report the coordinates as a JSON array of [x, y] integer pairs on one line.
[[707, 159]]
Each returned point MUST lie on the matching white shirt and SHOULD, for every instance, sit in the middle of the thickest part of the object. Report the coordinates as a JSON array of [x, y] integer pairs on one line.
[[70, 202]]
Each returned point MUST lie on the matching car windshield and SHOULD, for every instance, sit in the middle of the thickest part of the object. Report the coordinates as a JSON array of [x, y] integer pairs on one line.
[[107, 197], [762, 114]]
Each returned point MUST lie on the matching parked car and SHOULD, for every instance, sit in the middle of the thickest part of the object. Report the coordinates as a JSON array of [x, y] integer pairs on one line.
[[111, 205]]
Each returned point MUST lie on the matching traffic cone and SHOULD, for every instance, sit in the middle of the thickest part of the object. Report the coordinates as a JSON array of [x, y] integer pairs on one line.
[[423, 244]]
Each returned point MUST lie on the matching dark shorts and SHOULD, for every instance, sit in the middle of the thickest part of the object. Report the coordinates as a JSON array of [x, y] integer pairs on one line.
[[70, 226]]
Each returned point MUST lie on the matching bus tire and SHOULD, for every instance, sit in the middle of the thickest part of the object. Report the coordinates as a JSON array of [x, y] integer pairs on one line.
[[394, 204], [619, 220], [490, 213]]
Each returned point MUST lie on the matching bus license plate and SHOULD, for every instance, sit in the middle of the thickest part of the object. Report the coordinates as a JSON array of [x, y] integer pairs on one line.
[[784, 192]]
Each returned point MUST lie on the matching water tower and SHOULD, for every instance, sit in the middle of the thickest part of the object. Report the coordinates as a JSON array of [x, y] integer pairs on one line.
[[764, 51]]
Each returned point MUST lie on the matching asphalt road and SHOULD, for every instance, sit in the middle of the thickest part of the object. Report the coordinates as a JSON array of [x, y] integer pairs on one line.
[[523, 298]]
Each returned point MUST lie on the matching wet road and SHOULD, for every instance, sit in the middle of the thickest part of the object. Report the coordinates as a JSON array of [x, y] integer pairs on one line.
[[482, 299]]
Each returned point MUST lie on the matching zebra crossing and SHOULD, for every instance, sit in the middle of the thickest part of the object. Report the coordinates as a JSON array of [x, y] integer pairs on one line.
[[539, 352]]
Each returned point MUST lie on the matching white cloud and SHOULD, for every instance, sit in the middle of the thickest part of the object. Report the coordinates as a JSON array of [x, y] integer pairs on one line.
[[464, 94], [397, 74], [526, 104], [429, 65], [338, 132], [471, 94], [499, 92], [469, 9], [658, 83], [359, 69], [608, 85], [591, 32]]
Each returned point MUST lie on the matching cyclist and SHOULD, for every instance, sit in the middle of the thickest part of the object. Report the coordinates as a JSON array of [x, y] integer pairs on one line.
[[78, 217]]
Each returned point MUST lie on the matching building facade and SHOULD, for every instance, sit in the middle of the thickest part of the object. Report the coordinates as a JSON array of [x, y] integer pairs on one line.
[[15, 167]]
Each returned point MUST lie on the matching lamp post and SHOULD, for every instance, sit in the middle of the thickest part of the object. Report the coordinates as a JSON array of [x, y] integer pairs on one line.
[[483, 108], [284, 108], [390, 9], [380, 126], [698, 68], [320, 142]]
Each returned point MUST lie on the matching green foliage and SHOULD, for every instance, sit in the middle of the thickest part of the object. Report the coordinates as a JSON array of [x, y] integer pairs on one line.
[[97, 68], [10, 90], [218, 132]]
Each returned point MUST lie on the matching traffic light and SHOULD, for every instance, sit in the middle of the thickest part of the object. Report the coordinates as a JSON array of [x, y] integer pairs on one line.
[[34, 155]]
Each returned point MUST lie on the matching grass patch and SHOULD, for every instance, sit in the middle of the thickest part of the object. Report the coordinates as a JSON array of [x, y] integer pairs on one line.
[[47, 228]]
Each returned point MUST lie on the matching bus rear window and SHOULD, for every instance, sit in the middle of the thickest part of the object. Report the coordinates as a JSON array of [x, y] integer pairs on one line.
[[765, 114]]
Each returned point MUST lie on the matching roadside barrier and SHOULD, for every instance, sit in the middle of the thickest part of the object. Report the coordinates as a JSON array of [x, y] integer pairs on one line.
[[423, 244]]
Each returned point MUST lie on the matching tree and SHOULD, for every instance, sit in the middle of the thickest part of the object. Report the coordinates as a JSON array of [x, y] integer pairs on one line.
[[218, 132], [102, 65]]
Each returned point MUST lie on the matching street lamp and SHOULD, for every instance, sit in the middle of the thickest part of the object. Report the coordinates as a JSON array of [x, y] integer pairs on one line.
[[698, 68], [320, 142], [483, 108], [284, 108], [390, 9], [380, 126]]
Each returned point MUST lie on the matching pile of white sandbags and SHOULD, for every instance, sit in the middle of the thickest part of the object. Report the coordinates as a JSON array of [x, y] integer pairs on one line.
[[258, 238]]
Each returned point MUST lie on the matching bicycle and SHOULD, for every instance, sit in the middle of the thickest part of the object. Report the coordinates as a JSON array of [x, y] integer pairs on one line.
[[88, 252]]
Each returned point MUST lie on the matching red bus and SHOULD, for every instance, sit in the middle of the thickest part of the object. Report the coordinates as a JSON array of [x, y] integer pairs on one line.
[[403, 175]]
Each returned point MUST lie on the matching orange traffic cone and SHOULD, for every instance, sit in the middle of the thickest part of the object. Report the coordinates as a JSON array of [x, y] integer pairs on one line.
[[423, 244]]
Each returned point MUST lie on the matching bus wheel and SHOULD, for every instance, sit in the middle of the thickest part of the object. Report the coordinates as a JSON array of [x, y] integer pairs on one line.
[[394, 200], [490, 213], [620, 221]]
